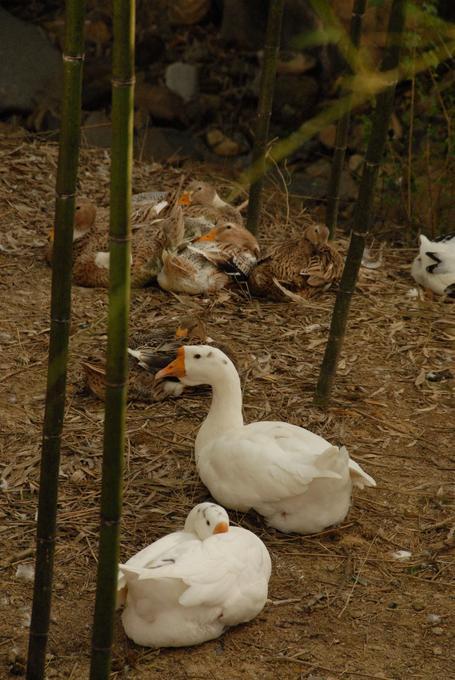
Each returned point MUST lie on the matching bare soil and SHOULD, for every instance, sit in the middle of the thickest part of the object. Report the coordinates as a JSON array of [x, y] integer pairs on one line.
[[341, 604]]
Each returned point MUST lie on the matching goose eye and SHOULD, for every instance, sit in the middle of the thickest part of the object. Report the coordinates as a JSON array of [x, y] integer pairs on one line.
[[197, 356], [78, 207], [207, 522]]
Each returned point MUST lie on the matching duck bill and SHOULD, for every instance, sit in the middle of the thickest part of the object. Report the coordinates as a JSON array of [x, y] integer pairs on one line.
[[51, 234], [185, 198], [176, 369], [209, 236], [221, 528], [181, 332]]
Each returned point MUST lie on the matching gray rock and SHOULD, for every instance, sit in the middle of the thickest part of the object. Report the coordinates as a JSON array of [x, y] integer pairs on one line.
[[182, 79], [30, 67], [166, 144], [97, 130]]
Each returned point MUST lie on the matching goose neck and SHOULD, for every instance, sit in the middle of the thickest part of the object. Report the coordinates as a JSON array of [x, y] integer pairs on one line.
[[225, 410]]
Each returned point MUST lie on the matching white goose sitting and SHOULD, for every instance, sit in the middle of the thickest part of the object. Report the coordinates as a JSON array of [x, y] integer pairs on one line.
[[434, 266], [191, 585], [294, 478]]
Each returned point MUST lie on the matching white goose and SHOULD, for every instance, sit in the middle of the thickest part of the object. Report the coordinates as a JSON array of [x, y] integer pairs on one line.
[[434, 266], [294, 478], [191, 585]]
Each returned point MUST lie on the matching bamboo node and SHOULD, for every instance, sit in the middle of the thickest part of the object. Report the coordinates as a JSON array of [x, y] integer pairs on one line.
[[65, 197], [74, 58], [55, 320], [118, 82], [115, 385], [111, 522], [120, 239]]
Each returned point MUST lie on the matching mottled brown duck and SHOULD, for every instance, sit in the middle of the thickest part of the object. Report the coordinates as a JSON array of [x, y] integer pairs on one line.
[[303, 266]]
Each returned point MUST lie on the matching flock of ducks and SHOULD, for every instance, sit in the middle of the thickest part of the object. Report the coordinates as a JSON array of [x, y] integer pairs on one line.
[[193, 584], [196, 243]]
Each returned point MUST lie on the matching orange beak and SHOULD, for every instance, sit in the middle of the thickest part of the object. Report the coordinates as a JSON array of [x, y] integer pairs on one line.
[[51, 234], [181, 332], [175, 369], [221, 528], [185, 198], [209, 236]]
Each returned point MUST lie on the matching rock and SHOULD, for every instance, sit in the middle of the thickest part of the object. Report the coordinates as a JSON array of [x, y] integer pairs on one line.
[[182, 79], [159, 102], [97, 86], [294, 99], [223, 145], [150, 48], [355, 162], [187, 12], [244, 23], [97, 31], [295, 62], [418, 606], [97, 130], [167, 144], [327, 136], [30, 67]]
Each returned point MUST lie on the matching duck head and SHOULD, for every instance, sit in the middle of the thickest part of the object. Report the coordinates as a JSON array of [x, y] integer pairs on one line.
[[191, 327], [84, 219], [202, 193], [228, 232], [196, 365], [207, 519], [318, 234]]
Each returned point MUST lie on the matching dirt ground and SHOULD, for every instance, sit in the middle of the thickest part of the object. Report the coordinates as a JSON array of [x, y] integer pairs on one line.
[[342, 605]]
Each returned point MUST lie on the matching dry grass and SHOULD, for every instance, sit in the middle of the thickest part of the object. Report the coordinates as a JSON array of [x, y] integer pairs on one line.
[[341, 605]]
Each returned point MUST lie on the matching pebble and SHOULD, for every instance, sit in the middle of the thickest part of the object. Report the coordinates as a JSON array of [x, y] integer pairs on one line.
[[433, 618], [437, 651], [418, 606], [437, 630]]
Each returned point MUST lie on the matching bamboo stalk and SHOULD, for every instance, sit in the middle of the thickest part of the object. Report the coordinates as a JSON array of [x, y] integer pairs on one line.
[[362, 213], [333, 189], [68, 160], [116, 361], [271, 50]]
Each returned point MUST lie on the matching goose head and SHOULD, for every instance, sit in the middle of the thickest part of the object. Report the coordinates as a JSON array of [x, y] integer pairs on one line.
[[197, 365], [234, 234], [207, 519]]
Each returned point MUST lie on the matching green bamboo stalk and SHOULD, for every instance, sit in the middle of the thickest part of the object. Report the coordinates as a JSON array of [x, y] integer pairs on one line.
[[271, 50], [362, 213], [333, 189], [116, 361], [68, 160]]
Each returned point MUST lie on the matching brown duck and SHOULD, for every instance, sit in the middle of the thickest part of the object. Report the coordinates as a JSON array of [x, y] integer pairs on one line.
[[305, 266], [151, 353], [213, 261], [204, 207], [150, 235]]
